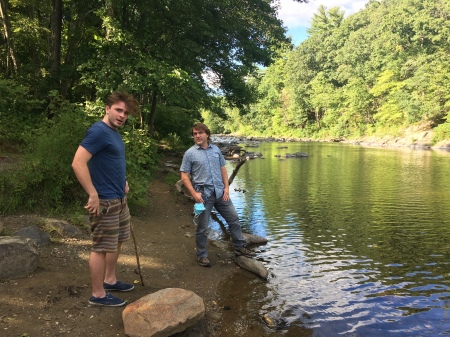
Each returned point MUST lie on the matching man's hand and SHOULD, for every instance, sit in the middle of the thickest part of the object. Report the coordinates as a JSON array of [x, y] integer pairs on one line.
[[198, 197], [93, 205], [226, 194]]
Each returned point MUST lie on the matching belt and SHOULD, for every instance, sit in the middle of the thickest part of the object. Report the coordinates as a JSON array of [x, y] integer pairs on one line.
[[115, 201]]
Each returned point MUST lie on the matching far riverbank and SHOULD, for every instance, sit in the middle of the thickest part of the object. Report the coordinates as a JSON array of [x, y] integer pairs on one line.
[[418, 137]]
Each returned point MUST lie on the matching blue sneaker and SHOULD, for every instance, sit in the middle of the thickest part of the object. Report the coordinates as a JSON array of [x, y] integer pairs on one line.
[[118, 286], [107, 301]]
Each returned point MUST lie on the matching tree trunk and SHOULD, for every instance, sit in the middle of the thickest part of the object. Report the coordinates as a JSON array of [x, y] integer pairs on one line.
[[56, 26], [73, 39], [8, 35], [236, 169], [35, 54], [318, 118], [110, 9], [151, 119]]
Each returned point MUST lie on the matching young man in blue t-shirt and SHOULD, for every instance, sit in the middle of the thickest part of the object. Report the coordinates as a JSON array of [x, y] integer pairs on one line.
[[100, 167]]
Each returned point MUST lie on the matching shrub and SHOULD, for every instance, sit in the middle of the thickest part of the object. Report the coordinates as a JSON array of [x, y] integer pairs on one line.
[[45, 179], [142, 160]]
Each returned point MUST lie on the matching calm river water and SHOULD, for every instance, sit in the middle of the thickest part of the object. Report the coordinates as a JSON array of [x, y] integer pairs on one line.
[[359, 243]]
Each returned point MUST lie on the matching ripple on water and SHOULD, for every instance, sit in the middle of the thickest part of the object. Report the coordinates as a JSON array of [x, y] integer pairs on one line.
[[358, 241]]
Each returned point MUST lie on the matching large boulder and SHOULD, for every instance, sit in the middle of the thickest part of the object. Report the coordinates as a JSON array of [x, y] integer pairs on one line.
[[164, 313], [18, 258], [33, 233]]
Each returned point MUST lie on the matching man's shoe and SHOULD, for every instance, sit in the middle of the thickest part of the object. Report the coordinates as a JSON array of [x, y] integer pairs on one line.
[[244, 251], [107, 301], [203, 261], [118, 286]]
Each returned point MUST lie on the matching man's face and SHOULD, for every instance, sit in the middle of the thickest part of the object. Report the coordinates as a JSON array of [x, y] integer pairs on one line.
[[200, 137], [116, 115]]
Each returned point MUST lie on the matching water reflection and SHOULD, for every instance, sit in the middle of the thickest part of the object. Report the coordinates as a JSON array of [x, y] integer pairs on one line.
[[358, 243]]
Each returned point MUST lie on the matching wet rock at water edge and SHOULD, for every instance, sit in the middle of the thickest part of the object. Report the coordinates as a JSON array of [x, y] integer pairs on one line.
[[254, 240], [253, 266]]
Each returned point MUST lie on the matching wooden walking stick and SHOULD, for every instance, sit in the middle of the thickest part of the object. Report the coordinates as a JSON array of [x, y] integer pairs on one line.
[[137, 254]]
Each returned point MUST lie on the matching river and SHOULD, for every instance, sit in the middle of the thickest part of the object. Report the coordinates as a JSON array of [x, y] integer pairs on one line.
[[359, 243]]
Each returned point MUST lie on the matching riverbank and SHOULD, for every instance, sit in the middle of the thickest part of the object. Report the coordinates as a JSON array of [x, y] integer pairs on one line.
[[52, 301], [416, 137]]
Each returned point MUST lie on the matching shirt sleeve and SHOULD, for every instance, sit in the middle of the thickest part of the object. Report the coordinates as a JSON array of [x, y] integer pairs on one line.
[[186, 163], [221, 158], [93, 141]]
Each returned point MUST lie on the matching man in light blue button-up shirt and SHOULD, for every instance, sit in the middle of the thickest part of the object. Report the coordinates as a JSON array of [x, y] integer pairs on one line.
[[204, 175]]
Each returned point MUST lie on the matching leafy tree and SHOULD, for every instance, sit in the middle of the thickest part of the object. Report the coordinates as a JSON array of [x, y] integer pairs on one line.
[[381, 68]]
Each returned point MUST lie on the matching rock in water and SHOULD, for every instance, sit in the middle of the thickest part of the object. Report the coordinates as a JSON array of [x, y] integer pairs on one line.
[[253, 266], [254, 240]]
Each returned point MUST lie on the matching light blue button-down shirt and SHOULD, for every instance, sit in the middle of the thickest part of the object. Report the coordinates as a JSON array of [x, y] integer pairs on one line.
[[204, 166]]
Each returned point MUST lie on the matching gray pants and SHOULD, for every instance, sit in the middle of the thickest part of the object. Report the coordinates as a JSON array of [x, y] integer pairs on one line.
[[228, 212]]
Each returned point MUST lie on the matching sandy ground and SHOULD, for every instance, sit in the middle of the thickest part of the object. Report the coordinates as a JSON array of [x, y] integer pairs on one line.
[[53, 300]]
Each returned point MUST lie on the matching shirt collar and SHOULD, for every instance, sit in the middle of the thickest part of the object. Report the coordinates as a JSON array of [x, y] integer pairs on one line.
[[199, 147]]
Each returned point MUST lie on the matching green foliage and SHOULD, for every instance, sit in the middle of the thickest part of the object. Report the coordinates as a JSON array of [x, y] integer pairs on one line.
[[171, 178], [175, 122], [214, 122], [45, 180], [142, 160], [17, 112], [173, 142], [442, 131], [377, 71]]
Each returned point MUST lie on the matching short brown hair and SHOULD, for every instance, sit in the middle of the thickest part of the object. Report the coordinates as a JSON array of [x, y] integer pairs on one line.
[[203, 127], [119, 96]]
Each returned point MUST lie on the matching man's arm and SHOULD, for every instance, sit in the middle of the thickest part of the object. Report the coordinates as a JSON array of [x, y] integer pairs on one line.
[[187, 183], [79, 166], [226, 189]]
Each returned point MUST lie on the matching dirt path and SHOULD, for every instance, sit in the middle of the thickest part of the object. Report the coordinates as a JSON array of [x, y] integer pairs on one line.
[[53, 300]]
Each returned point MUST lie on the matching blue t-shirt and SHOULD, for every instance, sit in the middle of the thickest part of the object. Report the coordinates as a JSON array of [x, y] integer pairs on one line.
[[204, 166], [107, 165]]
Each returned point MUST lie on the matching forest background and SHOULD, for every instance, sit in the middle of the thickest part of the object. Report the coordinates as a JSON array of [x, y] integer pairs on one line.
[[225, 62]]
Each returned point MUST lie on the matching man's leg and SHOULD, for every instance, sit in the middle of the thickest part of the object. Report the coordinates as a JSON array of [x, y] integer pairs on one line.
[[200, 235], [202, 228], [97, 269], [124, 223], [228, 212], [111, 264], [99, 295]]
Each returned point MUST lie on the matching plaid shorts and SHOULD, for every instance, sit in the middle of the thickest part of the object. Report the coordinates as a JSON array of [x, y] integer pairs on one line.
[[111, 226]]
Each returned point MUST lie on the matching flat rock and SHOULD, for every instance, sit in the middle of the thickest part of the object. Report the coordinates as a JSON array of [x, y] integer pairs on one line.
[[163, 313]]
